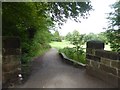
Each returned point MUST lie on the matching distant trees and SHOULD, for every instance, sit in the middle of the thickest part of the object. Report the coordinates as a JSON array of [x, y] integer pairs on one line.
[[77, 39], [101, 36], [68, 36], [90, 36], [87, 37], [113, 30], [56, 37]]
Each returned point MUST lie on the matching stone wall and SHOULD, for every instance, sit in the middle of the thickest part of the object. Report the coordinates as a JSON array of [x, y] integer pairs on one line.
[[10, 60], [103, 64], [0, 63]]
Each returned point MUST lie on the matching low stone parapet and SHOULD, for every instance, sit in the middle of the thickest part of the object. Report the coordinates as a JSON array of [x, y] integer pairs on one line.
[[103, 64]]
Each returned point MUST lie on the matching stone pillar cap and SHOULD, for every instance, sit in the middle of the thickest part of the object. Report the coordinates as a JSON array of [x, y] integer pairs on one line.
[[10, 42], [95, 44]]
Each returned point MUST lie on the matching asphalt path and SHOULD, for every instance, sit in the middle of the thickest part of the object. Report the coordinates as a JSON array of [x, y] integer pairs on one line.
[[49, 71]]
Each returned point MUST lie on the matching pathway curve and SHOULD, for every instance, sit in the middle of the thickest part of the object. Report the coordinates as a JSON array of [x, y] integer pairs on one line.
[[50, 72]]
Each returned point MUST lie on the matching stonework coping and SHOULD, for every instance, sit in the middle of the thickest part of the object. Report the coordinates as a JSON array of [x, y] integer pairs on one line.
[[95, 44]]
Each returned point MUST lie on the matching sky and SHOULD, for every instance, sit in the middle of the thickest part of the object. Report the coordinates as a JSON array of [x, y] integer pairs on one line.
[[95, 22]]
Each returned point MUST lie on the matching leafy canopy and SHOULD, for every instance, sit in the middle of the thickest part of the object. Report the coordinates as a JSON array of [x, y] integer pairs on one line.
[[113, 34], [31, 21]]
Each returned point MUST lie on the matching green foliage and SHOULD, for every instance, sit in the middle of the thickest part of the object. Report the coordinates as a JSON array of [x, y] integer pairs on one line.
[[60, 12], [90, 36], [68, 36], [31, 22], [56, 37], [78, 41], [114, 39], [113, 34], [71, 53], [101, 36], [77, 52], [23, 20], [77, 38]]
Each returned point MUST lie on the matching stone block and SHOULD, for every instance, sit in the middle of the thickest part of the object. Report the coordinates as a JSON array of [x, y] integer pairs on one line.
[[115, 64], [119, 73], [10, 76], [105, 61], [108, 69], [95, 44], [88, 61], [96, 73], [106, 77], [10, 59], [107, 54], [94, 64], [10, 42], [119, 83], [11, 51], [90, 51], [95, 58], [10, 67]]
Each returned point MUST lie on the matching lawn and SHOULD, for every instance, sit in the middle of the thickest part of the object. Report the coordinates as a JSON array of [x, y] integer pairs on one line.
[[69, 52], [61, 45]]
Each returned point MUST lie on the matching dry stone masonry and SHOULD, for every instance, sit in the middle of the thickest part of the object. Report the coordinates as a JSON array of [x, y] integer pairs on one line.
[[10, 60], [103, 64]]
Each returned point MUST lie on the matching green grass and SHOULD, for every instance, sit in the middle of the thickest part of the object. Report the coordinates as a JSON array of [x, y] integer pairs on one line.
[[61, 45], [69, 53]]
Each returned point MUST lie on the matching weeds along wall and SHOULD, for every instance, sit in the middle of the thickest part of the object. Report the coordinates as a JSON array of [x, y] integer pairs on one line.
[[103, 64], [10, 60]]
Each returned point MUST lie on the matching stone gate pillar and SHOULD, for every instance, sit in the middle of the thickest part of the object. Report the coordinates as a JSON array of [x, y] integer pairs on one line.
[[11, 65], [92, 46]]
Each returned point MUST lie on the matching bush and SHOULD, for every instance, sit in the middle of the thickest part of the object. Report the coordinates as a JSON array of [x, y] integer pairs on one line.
[[71, 53]]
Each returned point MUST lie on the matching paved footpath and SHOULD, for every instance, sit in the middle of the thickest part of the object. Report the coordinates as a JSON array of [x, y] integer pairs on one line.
[[50, 72]]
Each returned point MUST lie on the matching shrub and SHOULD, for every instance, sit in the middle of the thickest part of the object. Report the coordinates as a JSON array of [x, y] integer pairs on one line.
[[71, 53]]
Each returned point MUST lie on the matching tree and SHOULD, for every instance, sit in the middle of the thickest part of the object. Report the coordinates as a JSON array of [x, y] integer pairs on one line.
[[57, 37], [31, 21], [68, 36], [90, 36], [60, 12], [23, 20], [77, 40], [103, 37], [113, 35]]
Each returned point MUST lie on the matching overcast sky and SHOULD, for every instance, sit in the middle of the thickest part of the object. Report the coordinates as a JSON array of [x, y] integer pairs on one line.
[[95, 22]]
